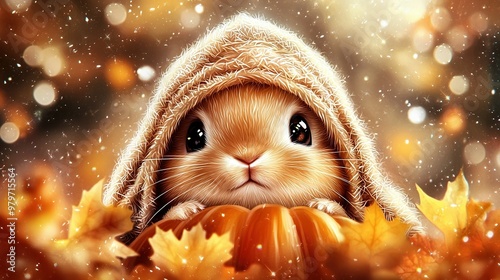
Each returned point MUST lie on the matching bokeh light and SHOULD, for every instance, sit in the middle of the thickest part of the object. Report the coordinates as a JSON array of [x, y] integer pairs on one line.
[[423, 40], [417, 114], [115, 13], [443, 54], [453, 120], [53, 61], [44, 93], [458, 39], [402, 145], [474, 153], [9, 132], [18, 5], [478, 22], [413, 10], [440, 19], [459, 84], [199, 8], [146, 73], [190, 18], [33, 55], [120, 74]]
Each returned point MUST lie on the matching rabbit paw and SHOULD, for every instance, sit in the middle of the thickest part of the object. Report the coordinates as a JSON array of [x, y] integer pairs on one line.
[[328, 206], [184, 210]]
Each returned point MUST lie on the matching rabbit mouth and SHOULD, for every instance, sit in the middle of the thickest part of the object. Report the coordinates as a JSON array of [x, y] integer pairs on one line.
[[250, 184]]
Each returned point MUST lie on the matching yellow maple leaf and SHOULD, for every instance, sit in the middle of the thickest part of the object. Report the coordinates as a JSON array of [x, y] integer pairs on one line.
[[375, 236], [449, 214], [193, 256], [91, 218], [467, 228], [93, 227]]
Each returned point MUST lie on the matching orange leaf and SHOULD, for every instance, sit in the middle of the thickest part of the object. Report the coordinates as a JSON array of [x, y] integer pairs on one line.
[[449, 215], [422, 259], [375, 236], [492, 232], [193, 256], [476, 214], [91, 244]]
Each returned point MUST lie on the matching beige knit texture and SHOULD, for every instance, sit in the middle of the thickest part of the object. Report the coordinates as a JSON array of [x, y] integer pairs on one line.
[[243, 50]]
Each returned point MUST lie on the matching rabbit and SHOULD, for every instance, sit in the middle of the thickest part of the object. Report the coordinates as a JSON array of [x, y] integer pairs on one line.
[[251, 114], [251, 145]]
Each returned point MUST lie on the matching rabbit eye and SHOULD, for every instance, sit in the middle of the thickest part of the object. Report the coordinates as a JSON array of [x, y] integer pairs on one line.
[[195, 139], [299, 130]]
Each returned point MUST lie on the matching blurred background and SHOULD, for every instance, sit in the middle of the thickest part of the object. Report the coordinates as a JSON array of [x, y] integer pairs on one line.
[[75, 78]]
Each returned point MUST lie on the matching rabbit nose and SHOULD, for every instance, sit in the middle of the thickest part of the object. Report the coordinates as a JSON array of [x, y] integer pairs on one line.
[[247, 159]]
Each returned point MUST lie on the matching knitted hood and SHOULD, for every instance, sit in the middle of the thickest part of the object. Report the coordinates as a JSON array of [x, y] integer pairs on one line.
[[244, 50]]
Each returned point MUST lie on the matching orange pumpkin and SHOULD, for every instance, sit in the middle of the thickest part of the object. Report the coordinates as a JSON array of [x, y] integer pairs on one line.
[[271, 235]]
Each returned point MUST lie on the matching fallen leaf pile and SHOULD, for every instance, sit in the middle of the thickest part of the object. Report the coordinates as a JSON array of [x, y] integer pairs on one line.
[[468, 247]]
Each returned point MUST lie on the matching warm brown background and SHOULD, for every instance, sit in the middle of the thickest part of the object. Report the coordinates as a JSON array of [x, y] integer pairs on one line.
[[385, 50]]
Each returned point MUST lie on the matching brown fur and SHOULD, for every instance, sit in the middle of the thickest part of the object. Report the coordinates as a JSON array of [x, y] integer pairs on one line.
[[246, 123], [241, 51]]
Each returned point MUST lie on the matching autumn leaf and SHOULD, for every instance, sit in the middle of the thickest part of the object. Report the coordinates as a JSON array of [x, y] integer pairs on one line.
[[193, 256], [421, 260], [372, 249], [471, 249], [449, 214], [91, 219], [491, 235], [476, 214], [91, 239], [375, 236]]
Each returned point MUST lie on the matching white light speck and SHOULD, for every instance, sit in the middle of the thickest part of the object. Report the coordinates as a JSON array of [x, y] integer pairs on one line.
[[417, 114], [146, 73], [199, 8]]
